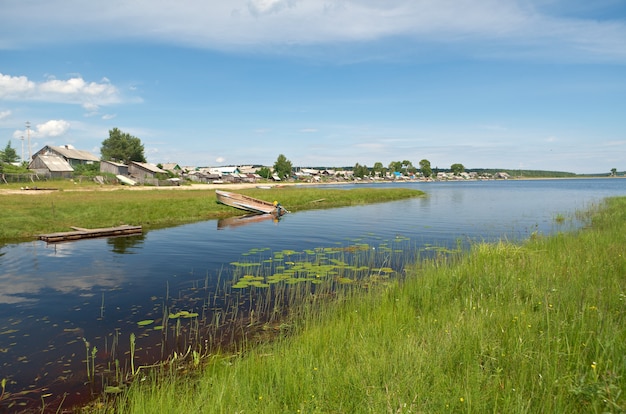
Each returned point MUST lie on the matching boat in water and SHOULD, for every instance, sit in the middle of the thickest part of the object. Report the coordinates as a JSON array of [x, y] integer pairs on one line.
[[249, 204]]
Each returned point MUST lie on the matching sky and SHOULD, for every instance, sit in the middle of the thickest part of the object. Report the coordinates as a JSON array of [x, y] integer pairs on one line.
[[515, 84]]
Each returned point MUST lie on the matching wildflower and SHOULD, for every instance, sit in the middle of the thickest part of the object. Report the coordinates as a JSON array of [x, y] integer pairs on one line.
[[593, 365], [461, 399]]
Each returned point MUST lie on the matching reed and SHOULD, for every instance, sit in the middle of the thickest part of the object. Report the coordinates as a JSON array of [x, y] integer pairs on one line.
[[533, 327]]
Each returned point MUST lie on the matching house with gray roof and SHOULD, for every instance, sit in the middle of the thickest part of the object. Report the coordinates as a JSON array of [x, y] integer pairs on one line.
[[59, 161]]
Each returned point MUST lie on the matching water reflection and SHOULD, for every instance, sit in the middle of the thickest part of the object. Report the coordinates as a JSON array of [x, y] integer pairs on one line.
[[126, 244]]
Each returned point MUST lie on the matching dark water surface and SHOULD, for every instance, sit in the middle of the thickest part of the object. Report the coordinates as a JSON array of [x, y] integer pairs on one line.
[[57, 299]]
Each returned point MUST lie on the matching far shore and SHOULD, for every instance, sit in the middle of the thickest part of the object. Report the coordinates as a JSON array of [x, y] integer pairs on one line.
[[49, 186]]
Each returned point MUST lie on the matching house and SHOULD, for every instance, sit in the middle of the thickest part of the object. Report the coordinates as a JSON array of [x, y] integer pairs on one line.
[[224, 170], [58, 162], [172, 167], [51, 165], [143, 170], [70, 154], [113, 168]]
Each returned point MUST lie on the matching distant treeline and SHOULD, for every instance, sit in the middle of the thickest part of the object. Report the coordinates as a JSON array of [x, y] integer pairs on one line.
[[524, 173]]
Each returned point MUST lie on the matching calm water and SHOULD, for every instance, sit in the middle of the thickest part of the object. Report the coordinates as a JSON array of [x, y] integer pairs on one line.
[[53, 296]]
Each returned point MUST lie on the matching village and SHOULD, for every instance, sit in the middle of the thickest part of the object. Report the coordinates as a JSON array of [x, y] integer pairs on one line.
[[55, 162]]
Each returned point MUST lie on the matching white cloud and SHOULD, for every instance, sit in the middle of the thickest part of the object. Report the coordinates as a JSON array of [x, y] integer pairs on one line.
[[220, 160], [5, 114], [258, 7], [13, 87], [52, 128], [478, 27], [75, 90]]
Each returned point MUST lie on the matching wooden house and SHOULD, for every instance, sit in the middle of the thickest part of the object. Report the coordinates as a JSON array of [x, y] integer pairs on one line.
[[51, 165], [59, 161], [113, 168], [142, 171]]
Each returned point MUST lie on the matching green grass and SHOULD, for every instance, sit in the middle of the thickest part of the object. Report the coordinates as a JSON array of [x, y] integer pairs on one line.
[[507, 328], [24, 216]]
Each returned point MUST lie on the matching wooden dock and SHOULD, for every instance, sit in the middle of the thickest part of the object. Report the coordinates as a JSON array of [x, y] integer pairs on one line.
[[80, 233]]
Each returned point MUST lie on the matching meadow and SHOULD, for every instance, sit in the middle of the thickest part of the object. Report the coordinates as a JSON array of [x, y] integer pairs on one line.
[[528, 327], [25, 214]]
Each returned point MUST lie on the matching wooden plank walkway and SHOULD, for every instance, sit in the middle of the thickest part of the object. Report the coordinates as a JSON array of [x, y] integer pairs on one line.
[[80, 233]]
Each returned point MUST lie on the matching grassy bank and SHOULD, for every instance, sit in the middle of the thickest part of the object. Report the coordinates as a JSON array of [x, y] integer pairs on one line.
[[537, 327], [27, 214]]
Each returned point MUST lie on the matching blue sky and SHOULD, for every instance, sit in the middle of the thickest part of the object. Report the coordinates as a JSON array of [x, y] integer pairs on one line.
[[530, 84]]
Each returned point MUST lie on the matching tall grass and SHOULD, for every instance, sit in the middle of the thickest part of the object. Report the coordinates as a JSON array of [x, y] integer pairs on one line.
[[532, 327]]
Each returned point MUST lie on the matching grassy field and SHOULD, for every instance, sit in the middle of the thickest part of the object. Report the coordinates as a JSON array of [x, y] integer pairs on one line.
[[507, 328], [25, 214]]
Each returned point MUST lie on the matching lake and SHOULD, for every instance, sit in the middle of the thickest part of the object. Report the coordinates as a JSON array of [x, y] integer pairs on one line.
[[59, 301]]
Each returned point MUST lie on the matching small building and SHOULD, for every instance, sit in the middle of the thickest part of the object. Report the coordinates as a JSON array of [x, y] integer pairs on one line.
[[172, 167], [51, 165], [143, 170], [70, 154], [58, 162], [113, 167]]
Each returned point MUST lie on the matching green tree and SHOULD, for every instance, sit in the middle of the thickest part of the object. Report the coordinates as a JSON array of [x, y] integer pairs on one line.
[[395, 166], [282, 167], [264, 172], [8, 154], [457, 168], [613, 172], [378, 169], [360, 171], [408, 167], [425, 168], [122, 147]]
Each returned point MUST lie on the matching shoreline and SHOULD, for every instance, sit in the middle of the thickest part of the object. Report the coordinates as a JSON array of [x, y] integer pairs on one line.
[[243, 186]]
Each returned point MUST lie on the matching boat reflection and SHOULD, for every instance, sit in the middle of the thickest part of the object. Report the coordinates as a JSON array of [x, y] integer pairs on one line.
[[238, 221]]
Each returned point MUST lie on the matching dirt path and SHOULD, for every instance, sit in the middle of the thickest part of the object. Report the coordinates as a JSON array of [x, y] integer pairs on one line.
[[42, 190]]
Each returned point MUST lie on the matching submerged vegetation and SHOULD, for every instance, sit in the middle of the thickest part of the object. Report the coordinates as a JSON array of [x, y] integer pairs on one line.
[[26, 215], [533, 327]]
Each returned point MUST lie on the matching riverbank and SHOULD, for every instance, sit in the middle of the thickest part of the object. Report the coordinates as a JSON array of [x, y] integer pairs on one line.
[[27, 213], [532, 327]]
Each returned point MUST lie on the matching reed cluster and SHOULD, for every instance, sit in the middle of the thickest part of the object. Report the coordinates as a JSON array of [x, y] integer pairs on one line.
[[532, 327]]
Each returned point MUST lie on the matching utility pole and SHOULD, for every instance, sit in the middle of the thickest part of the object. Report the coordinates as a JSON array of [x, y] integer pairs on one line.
[[28, 134], [22, 138]]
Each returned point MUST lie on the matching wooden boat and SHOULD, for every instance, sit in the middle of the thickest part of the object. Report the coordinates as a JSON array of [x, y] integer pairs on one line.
[[249, 204]]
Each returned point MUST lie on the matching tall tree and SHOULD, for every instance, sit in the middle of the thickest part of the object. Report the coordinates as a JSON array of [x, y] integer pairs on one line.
[[395, 166], [8, 154], [457, 168], [360, 171], [122, 147], [264, 172], [425, 168], [282, 167], [408, 167], [378, 169]]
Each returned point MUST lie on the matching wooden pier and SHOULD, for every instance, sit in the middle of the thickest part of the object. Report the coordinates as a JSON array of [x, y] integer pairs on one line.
[[80, 233]]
